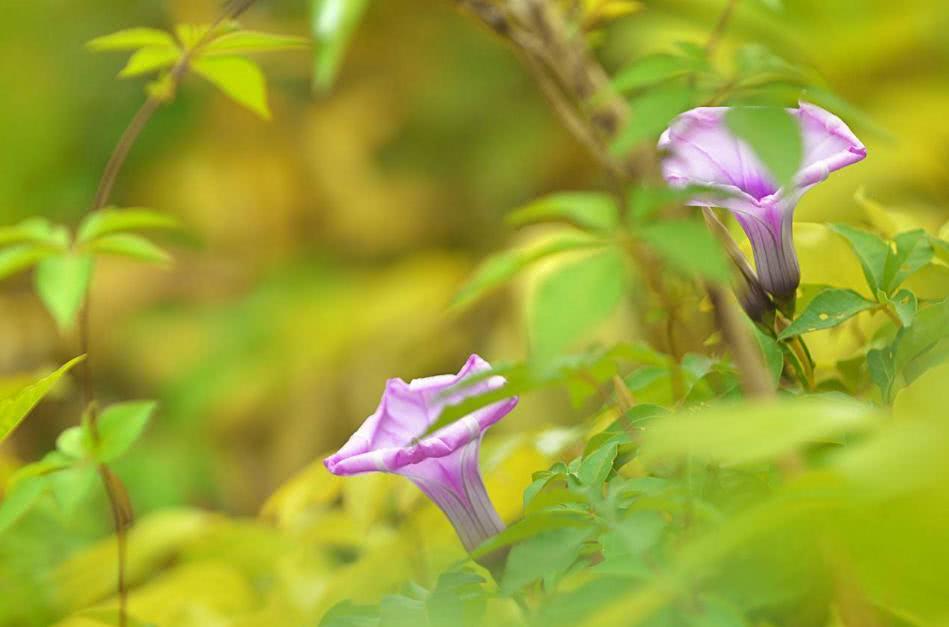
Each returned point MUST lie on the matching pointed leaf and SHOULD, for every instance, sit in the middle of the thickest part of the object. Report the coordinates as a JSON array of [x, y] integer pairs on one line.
[[333, 24], [655, 68], [775, 137], [18, 500], [62, 282], [149, 60], [870, 249], [18, 258], [120, 426], [911, 251], [129, 245], [35, 231], [238, 78], [14, 409], [827, 309], [904, 305], [689, 247], [135, 219], [246, 41], [132, 39], [589, 210], [651, 113]]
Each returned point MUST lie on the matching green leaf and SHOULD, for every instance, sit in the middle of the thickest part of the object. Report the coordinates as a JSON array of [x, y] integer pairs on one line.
[[775, 137], [150, 59], [18, 258], [247, 41], [18, 500], [119, 427], [752, 432], [333, 24], [904, 305], [655, 68], [651, 114], [132, 39], [870, 250], [129, 245], [457, 599], [930, 328], [74, 443], [500, 268], [348, 614], [240, 79], [35, 231], [546, 555], [773, 355], [882, 371], [596, 467], [62, 282], [572, 299], [911, 251], [689, 247], [111, 220], [71, 486], [827, 309], [14, 409], [589, 210]]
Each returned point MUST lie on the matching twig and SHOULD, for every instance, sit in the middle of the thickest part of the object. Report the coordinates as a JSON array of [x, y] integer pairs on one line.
[[119, 501], [716, 36]]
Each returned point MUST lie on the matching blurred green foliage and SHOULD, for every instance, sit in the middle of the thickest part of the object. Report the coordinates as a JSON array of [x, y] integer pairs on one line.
[[319, 253]]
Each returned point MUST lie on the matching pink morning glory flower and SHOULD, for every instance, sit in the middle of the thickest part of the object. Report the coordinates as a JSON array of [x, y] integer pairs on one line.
[[702, 150], [444, 464]]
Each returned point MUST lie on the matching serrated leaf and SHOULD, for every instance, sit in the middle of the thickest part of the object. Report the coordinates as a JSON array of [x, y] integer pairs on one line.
[[655, 68], [333, 24], [129, 245], [62, 282], [689, 247], [111, 220], [18, 258], [589, 210], [247, 41], [240, 79], [132, 39], [119, 427], [150, 59], [651, 114], [827, 309], [870, 250], [500, 268], [15, 408], [910, 252], [775, 137], [572, 299]]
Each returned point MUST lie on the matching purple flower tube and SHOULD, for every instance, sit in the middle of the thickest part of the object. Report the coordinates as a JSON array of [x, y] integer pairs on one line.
[[444, 465], [702, 150]]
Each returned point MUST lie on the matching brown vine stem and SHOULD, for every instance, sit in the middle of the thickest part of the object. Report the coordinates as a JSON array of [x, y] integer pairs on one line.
[[119, 502]]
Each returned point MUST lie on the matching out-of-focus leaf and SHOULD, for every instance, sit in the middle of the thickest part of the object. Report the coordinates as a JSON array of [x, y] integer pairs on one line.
[[655, 68], [589, 210], [333, 24], [149, 60], [574, 298], [35, 231], [827, 309], [72, 485], [129, 245], [651, 114], [546, 555], [132, 39], [734, 434], [119, 426], [457, 599], [62, 282], [775, 137], [870, 249], [498, 269], [74, 443], [929, 329], [111, 220], [596, 467], [239, 78], [247, 41], [18, 500], [18, 258], [349, 614], [15, 408], [904, 304], [689, 247], [773, 355], [911, 252], [880, 365]]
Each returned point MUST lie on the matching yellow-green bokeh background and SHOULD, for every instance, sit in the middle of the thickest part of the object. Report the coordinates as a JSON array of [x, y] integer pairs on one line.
[[323, 248]]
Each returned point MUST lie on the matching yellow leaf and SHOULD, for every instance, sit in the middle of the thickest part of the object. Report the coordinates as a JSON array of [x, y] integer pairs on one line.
[[238, 78]]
